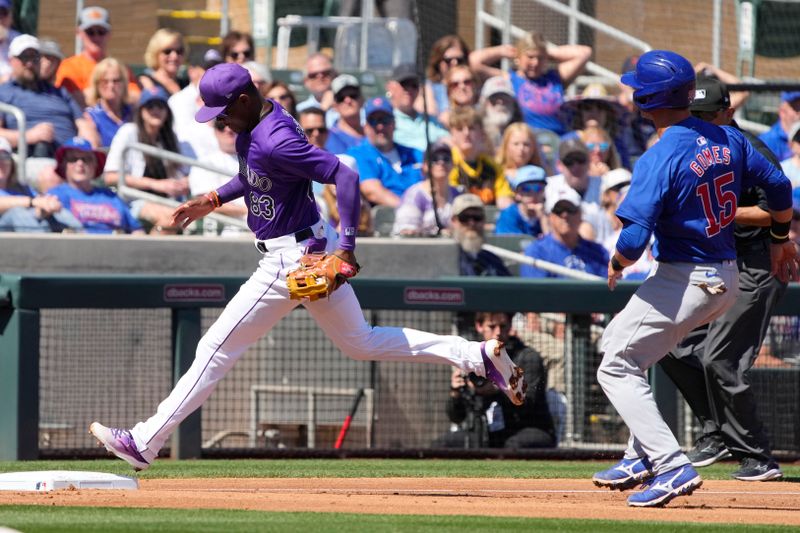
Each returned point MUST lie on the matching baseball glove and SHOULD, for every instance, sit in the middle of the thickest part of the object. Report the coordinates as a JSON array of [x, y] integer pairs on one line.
[[319, 275]]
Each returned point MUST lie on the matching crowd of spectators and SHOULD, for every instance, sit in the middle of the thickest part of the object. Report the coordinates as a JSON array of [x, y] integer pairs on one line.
[[493, 122]]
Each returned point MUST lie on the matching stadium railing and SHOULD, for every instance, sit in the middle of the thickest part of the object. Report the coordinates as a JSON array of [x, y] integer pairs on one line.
[[110, 347]]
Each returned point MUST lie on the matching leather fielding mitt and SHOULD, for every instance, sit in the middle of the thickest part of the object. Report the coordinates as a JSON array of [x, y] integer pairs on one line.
[[319, 275]]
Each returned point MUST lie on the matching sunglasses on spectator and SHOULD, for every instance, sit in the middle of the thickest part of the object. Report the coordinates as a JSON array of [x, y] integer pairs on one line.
[[74, 158], [219, 125], [410, 85], [575, 159], [322, 74], [466, 218], [5, 156], [602, 146], [245, 54], [316, 131], [441, 159], [170, 51], [381, 120], [4, 12], [460, 83], [96, 32], [530, 188], [29, 57], [282, 97], [344, 95], [154, 105], [564, 207], [454, 60]]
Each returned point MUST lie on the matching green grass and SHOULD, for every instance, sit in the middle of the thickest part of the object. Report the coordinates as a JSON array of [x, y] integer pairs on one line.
[[31, 519], [377, 468]]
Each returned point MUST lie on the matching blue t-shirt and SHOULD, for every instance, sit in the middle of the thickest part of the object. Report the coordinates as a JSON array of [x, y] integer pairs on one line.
[[372, 164], [100, 211], [778, 141], [587, 256], [48, 104], [339, 142], [106, 126], [686, 189], [540, 100], [511, 222]]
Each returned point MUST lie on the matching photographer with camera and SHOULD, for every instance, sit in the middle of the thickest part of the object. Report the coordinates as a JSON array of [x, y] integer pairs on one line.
[[485, 416]]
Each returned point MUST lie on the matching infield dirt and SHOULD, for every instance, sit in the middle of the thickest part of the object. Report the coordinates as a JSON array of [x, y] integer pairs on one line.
[[716, 501]]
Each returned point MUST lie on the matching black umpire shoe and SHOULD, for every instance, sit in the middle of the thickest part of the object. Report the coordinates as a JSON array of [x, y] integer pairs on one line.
[[753, 469], [708, 450]]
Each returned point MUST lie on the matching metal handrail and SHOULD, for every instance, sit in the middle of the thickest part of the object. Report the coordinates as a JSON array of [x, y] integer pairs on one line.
[[22, 144], [130, 192], [510, 30]]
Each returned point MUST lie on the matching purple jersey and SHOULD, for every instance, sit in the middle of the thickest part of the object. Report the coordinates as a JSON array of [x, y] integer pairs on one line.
[[276, 166]]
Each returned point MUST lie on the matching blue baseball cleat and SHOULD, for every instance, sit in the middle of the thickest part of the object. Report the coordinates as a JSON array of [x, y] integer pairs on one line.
[[664, 487], [626, 474]]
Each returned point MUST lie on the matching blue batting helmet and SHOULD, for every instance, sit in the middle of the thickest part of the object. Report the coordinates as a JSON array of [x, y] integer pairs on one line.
[[662, 79]]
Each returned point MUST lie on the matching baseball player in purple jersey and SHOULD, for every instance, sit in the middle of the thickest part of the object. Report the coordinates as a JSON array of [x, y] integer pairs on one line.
[[276, 167], [685, 190]]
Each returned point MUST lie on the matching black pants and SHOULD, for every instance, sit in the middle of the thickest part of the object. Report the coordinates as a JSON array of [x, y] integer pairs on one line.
[[521, 439], [709, 366]]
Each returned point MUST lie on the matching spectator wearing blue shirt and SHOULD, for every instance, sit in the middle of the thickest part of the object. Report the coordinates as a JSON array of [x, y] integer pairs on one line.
[[52, 116], [109, 92], [403, 89], [524, 216], [99, 209], [777, 138], [386, 169], [791, 165], [348, 130], [563, 245]]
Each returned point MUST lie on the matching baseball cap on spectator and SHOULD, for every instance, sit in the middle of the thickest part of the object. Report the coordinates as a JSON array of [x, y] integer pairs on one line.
[[21, 43], [151, 94], [571, 146], [562, 193], [78, 143], [462, 202], [527, 174], [5, 4], [438, 147], [617, 178], [219, 86], [496, 85], [790, 96], [48, 47], [405, 71], [94, 16], [258, 72], [208, 59], [342, 81], [378, 104], [710, 94]]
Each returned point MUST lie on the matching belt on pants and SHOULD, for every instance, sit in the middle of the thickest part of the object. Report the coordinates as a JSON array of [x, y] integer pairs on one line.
[[289, 239]]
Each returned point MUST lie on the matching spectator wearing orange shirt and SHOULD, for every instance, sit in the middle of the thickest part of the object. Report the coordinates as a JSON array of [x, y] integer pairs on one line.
[[75, 72]]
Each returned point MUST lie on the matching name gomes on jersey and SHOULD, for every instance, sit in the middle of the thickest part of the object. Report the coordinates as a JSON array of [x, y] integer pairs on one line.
[[708, 156], [719, 204]]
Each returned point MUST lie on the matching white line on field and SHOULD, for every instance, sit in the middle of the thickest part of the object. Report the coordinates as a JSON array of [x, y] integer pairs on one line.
[[462, 492]]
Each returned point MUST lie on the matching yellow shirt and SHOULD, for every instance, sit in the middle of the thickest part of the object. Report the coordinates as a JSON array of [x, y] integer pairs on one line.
[[486, 179]]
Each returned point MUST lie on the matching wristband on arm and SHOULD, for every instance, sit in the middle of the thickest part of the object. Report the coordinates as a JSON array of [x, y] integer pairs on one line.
[[213, 197], [616, 265], [779, 231]]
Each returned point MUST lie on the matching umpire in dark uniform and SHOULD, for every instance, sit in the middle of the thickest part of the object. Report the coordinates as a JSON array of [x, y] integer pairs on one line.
[[709, 366]]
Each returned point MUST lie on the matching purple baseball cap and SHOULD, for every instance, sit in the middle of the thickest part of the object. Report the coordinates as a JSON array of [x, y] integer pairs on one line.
[[219, 86]]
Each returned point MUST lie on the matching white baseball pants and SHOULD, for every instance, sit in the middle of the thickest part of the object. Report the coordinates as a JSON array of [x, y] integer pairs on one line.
[[672, 301], [260, 303]]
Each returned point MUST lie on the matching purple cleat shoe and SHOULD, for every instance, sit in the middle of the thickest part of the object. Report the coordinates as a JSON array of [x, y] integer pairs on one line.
[[120, 443], [508, 377]]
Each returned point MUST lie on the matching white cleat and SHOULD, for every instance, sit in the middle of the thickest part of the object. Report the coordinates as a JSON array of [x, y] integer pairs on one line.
[[508, 377]]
